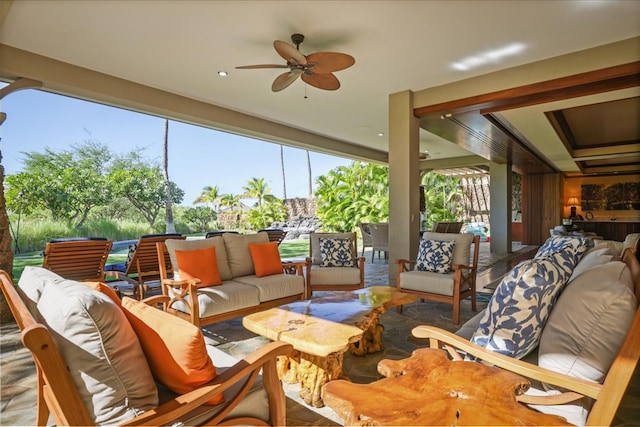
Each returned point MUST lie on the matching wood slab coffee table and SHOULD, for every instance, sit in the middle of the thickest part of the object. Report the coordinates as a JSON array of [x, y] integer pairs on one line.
[[322, 329], [427, 389]]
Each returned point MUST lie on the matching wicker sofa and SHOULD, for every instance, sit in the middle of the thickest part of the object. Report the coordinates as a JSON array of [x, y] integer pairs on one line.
[[241, 292]]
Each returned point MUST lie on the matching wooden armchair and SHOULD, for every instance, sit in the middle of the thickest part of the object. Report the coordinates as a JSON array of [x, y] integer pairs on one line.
[[59, 396], [452, 286], [333, 278], [143, 263]]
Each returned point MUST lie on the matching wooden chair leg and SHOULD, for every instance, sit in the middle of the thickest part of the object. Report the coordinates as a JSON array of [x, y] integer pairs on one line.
[[399, 309]]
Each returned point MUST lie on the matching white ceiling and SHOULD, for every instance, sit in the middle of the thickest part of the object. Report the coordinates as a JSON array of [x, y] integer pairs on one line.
[[179, 46]]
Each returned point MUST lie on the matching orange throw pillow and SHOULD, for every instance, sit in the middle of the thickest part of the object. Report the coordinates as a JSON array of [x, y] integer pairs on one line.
[[174, 348], [266, 258], [105, 289], [199, 264]]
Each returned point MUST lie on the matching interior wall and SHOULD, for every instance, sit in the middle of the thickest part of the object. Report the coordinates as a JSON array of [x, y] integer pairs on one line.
[[572, 188]]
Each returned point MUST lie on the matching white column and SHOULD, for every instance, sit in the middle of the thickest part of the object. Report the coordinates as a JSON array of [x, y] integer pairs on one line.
[[404, 180], [500, 199]]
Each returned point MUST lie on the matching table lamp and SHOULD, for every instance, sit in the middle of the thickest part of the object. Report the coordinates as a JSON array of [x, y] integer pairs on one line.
[[573, 201]]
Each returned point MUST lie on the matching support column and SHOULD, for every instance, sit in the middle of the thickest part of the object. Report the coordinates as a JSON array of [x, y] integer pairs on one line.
[[500, 208], [404, 180]]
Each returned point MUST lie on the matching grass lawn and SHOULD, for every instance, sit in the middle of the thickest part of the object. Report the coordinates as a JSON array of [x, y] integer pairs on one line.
[[288, 249]]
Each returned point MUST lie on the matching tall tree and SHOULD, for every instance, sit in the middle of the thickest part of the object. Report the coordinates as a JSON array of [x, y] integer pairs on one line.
[[210, 195], [257, 188], [309, 175], [68, 184], [167, 185], [143, 185], [284, 179]]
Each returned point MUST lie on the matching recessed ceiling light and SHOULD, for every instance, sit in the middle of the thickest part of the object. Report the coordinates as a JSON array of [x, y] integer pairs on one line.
[[223, 73], [380, 134]]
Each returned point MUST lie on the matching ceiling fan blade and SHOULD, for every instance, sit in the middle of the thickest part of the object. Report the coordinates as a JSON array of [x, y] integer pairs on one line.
[[328, 62], [325, 81], [262, 66], [289, 53], [284, 80]]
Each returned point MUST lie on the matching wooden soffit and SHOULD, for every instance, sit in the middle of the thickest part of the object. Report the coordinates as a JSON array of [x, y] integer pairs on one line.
[[476, 123]]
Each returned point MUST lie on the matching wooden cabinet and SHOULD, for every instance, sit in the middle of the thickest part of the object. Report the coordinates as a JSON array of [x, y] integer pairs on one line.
[[610, 230]]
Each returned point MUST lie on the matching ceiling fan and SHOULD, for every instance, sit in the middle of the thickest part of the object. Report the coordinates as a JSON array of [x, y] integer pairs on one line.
[[315, 69]]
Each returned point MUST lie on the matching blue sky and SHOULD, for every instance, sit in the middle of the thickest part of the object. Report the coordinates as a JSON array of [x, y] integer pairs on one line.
[[197, 156]]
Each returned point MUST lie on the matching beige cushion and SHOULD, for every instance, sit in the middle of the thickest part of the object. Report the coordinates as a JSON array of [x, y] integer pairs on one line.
[[274, 286], [254, 404], [32, 283], [575, 413], [591, 259], [101, 350], [428, 281], [462, 249], [229, 296], [238, 252], [334, 275], [315, 244], [615, 246], [631, 241], [174, 245], [470, 326], [589, 322]]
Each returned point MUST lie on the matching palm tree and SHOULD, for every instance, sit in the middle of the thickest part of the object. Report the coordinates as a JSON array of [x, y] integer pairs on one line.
[[231, 201], [258, 189], [309, 169], [284, 179], [167, 185], [210, 195]]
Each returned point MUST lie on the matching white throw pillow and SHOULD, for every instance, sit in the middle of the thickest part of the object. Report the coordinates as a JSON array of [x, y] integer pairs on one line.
[[101, 350]]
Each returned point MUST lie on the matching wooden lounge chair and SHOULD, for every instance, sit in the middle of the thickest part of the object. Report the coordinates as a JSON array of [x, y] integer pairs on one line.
[[143, 264], [275, 234], [84, 259], [447, 227]]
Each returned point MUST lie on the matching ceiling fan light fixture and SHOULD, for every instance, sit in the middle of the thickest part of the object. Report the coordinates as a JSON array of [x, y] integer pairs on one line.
[[315, 69]]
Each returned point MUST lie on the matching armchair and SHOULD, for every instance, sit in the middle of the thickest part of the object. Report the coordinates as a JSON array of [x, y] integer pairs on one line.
[[250, 399], [366, 236], [333, 264], [143, 262], [453, 283]]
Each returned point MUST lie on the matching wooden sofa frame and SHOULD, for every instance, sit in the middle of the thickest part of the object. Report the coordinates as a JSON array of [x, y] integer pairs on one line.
[[189, 287], [58, 395], [607, 395]]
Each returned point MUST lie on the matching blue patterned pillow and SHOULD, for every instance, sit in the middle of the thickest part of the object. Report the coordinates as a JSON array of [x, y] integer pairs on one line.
[[566, 250], [435, 255], [336, 252], [514, 319]]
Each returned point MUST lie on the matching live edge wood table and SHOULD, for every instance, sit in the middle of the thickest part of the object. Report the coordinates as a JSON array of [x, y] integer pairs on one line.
[[321, 330], [428, 389]]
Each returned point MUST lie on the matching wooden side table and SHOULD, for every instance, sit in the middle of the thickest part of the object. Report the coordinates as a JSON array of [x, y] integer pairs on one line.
[[428, 389]]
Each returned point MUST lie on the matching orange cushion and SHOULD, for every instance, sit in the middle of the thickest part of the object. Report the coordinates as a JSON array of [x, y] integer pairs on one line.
[[174, 348], [199, 264], [266, 258], [105, 289]]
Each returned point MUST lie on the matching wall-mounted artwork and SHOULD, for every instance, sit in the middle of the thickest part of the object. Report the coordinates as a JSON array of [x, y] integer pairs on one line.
[[620, 196]]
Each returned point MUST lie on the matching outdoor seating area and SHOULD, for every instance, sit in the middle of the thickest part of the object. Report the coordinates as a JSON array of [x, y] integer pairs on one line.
[[414, 315]]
